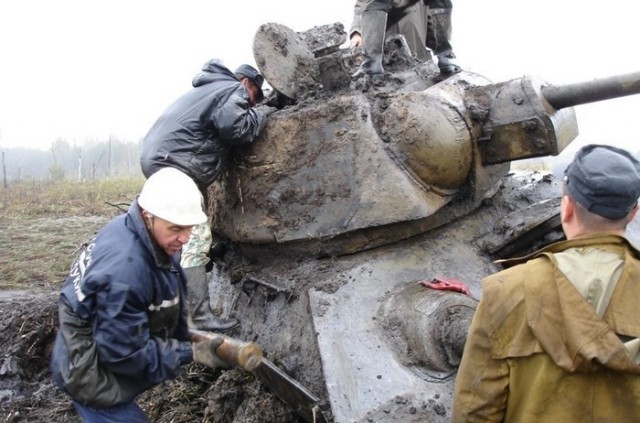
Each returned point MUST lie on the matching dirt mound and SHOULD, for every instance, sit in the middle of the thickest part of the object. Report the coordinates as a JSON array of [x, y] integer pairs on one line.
[[27, 330]]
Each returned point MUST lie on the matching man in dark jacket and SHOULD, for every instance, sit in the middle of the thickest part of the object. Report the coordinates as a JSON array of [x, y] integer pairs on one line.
[[423, 23], [556, 337], [195, 134], [122, 316]]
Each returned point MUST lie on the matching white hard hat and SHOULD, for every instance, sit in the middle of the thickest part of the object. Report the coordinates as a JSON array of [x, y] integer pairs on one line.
[[173, 196]]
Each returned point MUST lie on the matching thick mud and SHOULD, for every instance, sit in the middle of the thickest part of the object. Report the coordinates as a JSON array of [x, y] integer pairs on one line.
[[28, 324]]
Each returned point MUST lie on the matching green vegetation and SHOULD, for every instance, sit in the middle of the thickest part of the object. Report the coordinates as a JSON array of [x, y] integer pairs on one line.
[[31, 199], [42, 226]]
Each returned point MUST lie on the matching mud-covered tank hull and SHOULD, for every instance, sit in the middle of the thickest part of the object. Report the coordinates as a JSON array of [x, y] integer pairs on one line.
[[355, 195], [334, 323]]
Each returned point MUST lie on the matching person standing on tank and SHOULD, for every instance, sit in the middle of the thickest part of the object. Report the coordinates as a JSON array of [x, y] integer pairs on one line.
[[196, 134], [556, 335], [423, 23], [122, 316]]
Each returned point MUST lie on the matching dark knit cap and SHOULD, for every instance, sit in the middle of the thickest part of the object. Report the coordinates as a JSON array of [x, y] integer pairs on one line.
[[604, 180], [251, 73]]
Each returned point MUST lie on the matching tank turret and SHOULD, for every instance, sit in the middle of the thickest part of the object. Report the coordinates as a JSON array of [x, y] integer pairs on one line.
[[359, 191]]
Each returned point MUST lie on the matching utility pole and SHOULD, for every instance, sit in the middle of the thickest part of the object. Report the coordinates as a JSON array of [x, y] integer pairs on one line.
[[79, 164], [129, 157], [4, 168], [109, 159], [4, 172]]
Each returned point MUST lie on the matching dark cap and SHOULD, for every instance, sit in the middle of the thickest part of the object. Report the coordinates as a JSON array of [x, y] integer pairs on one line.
[[605, 180], [251, 73]]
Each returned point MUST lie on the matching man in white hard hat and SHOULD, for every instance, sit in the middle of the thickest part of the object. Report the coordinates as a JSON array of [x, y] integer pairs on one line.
[[122, 312]]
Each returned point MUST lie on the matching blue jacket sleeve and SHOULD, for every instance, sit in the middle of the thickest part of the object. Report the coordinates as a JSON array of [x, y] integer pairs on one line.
[[125, 346]]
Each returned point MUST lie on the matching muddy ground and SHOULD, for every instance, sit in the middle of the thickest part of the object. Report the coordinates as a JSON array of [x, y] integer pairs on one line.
[[28, 323]]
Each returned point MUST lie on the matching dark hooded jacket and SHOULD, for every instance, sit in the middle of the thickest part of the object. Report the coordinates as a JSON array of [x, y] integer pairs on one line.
[[122, 317], [196, 133]]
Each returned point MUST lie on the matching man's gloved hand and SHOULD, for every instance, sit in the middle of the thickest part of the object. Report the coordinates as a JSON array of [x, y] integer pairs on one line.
[[204, 352], [267, 110]]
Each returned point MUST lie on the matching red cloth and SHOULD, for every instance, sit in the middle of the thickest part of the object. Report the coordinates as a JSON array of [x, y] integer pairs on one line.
[[446, 284]]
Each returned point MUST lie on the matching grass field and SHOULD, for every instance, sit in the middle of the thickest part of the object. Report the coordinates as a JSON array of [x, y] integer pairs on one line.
[[42, 226]]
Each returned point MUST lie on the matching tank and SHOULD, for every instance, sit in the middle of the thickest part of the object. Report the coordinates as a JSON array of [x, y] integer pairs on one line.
[[352, 237]]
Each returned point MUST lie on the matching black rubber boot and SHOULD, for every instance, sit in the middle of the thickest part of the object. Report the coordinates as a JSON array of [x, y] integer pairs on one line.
[[374, 24], [201, 316], [447, 63], [439, 40]]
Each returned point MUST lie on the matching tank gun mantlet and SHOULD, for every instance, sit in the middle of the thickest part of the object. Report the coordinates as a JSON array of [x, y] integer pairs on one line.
[[519, 123], [529, 118]]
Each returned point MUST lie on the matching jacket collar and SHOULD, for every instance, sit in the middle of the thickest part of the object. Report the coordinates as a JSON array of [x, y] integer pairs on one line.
[[604, 239]]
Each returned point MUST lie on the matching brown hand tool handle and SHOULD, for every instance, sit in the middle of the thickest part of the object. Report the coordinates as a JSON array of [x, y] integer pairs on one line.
[[247, 355]]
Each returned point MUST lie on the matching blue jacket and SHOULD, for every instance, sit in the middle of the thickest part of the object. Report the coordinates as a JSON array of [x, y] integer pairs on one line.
[[122, 310], [196, 133]]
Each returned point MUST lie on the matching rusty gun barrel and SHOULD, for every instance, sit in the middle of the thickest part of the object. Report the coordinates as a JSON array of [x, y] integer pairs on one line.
[[569, 95]]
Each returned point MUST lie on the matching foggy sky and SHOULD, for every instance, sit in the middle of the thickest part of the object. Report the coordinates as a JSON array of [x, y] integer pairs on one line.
[[78, 70]]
